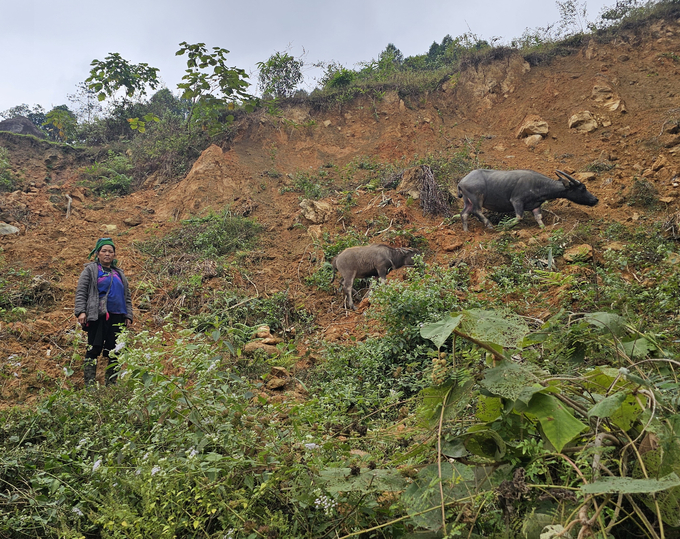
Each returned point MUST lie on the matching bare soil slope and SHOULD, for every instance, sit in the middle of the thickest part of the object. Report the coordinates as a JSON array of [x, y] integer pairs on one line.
[[630, 86]]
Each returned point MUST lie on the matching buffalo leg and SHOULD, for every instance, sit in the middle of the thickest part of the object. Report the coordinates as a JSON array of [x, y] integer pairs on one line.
[[538, 217]]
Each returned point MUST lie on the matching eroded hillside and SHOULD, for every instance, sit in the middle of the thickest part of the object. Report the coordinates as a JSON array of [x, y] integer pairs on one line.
[[621, 98]]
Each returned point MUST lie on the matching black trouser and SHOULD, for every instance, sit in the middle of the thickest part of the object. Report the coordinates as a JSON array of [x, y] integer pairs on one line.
[[101, 337]]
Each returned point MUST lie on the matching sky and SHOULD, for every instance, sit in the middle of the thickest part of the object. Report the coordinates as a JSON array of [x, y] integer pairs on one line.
[[46, 46]]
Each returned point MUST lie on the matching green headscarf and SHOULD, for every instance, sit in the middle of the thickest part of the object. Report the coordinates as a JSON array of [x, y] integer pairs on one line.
[[100, 243]]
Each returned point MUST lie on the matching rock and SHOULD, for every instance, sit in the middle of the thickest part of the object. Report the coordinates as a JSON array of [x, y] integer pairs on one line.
[[605, 97], [533, 125], [585, 176], [279, 372], [624, 131], [6, 229], [314, 232], [108, 228], [263, 332], [411, 182], [327, 123], [257, 345], [659, 163], [533, 140], [578, 253], [316, 211], [583, 122], [133, 221], [22, 126], [275, 383]]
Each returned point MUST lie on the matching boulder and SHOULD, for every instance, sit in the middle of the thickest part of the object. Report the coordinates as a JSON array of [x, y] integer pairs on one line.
[[6, 229], [533, 125], [533, 140], [583, 122], [316, 211], [21, 126], [604, 95], [578, 253]]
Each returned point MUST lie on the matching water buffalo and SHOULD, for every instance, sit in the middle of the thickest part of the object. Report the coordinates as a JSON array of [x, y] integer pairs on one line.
[[505, 191], [369, 261]]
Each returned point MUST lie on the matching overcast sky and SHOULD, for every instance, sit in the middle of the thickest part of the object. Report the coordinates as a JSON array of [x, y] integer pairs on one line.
[[46, 46]]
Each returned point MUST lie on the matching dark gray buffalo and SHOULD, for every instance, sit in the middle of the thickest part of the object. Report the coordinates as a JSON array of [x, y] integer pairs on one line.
[[369, 261], [504, 191]]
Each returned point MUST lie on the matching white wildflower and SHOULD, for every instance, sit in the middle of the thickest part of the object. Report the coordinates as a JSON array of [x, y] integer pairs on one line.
[[192, 453], [138, 471], [311, 447], [96, 465], [155, 470], [326, 503], [119, 346], [77, 511]]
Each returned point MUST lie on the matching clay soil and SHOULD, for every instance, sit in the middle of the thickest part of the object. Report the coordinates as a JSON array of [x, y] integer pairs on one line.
[[631, 86]]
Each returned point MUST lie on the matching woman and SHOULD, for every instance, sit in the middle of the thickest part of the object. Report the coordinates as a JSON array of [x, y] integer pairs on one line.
[[103, 305]]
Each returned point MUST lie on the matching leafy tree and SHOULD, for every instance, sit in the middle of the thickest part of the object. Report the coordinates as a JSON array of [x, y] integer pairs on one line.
[[114, 72], [211, 92], [392, 55], [280, 75], [623, 8], [61, 123]]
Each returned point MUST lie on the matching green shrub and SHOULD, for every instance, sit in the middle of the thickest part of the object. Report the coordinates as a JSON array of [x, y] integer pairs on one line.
[[8, 182], [642, 193], [111, 177], [212, 236]]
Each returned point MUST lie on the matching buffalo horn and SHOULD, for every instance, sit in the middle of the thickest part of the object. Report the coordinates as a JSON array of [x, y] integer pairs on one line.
[[566, 176]]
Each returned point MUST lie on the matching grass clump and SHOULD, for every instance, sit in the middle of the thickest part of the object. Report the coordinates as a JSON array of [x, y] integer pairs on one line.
[[110, 177], [212, 236]]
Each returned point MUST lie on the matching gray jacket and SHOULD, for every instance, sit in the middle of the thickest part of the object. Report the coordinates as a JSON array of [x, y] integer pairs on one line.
[[87, 295]]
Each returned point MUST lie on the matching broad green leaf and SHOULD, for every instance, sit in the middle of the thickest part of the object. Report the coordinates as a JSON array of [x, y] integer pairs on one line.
[[453, 395], [439, 331], [422, 499], [506, 331], [341, 480], [559, 426], [609, 321], [599, 380], [488, 408], [508, 380], [629, 411], [607, 406], [487, 443], [454, 449], [627, 485], [638, 348]]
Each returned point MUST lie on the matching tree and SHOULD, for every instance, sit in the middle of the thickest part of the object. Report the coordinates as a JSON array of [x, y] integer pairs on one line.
[[114, 72], [210, 93], [61, 123], [280, 75]]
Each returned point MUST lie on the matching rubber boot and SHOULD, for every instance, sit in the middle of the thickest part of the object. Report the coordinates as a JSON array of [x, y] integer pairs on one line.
[[111, 372], [90, 372]]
